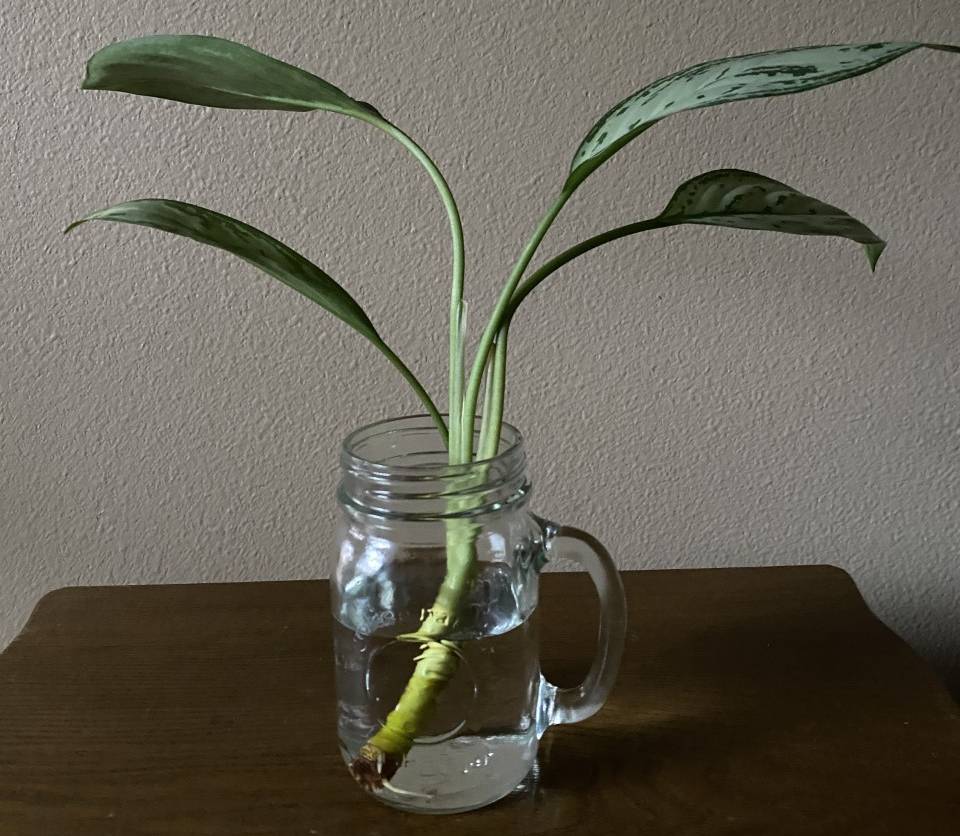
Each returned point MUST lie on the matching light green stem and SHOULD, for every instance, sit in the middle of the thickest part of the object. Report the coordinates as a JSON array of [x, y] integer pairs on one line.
[[456, 293], [493, 398], [555, 263], [472, 393], [485, 429], [439, 659], [436, 664], [418, 389], [497, 371]]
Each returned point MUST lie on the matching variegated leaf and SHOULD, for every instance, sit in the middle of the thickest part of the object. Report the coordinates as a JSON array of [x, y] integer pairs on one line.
[[250, 244], [203, 70], [744, 200], [763, 74]]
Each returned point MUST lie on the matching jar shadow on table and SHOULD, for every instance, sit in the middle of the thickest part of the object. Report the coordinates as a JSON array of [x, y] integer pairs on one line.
[[721, 708], [616, 748]]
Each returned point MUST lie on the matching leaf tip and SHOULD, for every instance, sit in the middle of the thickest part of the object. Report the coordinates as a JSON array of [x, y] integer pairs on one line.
[[87, 83], [90, 73], [73, 225], [874, 250]]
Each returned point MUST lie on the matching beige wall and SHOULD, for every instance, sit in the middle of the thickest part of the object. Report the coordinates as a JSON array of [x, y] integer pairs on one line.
[[696, 397]]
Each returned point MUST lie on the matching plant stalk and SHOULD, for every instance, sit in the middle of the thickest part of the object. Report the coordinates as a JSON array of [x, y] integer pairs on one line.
[[383, 754], [418, 389], [493, 398], [558, 261], [472, 393], [497, 364], [457, 283], [439, 659], [485, 428]]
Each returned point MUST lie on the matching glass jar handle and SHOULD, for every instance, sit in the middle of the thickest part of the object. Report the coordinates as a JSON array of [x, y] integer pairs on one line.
[[571, 705]]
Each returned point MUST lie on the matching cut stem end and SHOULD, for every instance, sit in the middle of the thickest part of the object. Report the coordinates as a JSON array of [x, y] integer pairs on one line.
[[372, 766]]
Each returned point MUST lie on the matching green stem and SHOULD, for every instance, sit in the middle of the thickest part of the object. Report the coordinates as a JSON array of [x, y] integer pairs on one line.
[[438, 660], [472, 393], [497, 371], [485, 429], [555, 263], [493, 398], [418, 389], [456, 293]]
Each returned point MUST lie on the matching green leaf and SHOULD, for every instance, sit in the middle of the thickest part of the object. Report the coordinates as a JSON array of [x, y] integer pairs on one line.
[[775, 73], [252, 245], [744, 200], [214, 72]]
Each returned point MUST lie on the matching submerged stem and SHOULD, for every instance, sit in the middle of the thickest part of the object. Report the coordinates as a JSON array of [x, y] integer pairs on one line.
[[439, 659]]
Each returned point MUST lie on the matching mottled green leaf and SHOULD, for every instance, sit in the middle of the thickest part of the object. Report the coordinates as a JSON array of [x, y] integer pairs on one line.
[[744, 200], [252, 245], [214, 72], [774, 73]]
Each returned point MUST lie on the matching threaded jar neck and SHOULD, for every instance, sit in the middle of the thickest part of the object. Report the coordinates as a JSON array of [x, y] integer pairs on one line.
[[398, 469]]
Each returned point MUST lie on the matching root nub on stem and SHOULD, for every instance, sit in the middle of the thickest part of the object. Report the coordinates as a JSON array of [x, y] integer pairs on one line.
[[372, 766]]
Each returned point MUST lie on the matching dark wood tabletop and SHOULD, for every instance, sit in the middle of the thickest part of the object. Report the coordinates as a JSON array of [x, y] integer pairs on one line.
[[751, 701]]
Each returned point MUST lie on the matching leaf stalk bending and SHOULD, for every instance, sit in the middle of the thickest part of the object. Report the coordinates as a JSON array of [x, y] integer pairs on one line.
[[418, 390], [457, 282]]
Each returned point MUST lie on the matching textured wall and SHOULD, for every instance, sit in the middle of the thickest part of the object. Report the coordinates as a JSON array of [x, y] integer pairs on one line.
[[695, 397]]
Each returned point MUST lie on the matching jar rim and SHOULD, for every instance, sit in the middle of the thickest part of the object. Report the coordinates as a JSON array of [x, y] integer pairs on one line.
[[511, 442]]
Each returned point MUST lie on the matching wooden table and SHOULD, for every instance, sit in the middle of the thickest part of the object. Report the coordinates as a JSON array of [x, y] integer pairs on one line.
[[751, 701]]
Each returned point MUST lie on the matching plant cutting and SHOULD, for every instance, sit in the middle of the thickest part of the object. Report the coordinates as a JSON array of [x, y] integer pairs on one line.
[[479, 448]]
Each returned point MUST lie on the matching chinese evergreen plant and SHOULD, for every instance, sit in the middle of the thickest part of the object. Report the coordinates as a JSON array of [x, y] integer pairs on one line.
[[213, 72]]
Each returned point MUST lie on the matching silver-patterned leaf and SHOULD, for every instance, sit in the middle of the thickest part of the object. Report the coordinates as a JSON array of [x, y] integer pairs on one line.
[[203, 70], [247, 242], [744, 200], [763, 74]]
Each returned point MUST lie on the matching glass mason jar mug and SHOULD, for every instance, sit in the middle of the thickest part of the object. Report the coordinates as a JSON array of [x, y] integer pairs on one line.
[[434, 598]]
